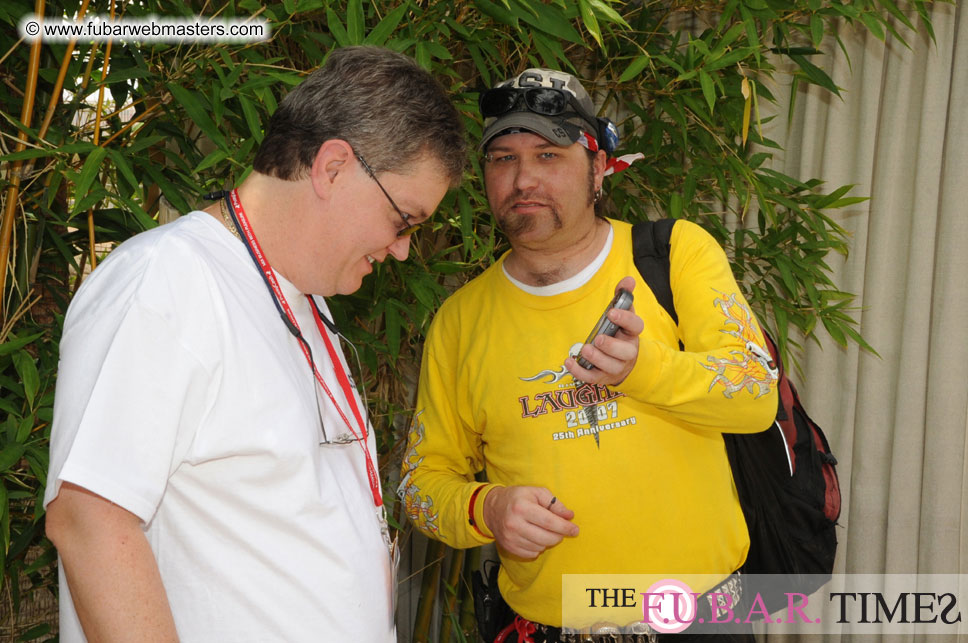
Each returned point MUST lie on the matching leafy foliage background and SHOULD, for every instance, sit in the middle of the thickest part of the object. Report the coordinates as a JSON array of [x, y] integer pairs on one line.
[[684, 79]]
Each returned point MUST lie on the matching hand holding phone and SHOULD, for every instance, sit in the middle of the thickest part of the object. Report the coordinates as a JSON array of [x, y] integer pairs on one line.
[[605, 326]]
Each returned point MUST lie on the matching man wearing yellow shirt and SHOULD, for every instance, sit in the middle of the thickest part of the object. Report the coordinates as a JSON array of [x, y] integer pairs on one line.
[[618, 469]]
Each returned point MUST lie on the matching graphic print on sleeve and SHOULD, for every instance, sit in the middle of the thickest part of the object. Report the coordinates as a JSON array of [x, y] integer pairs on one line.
[[419, 508], [753, 369]]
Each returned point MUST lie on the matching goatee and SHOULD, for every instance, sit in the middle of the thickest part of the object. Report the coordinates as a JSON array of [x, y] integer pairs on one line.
[[513, 224]]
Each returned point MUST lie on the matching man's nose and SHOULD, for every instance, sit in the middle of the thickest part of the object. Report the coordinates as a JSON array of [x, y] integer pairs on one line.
[[525, 175], [400, 248]]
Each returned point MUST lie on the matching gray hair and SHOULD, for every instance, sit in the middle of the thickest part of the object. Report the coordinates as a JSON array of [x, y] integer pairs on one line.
[[381, 102]]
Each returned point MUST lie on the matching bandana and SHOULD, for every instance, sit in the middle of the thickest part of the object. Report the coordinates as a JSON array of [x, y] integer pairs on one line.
[[613, 164]]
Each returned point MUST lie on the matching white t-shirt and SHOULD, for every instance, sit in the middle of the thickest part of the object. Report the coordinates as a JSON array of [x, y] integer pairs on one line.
[[183, 398]]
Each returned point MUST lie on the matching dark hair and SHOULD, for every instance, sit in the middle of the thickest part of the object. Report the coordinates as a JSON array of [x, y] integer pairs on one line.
[[380, 102]]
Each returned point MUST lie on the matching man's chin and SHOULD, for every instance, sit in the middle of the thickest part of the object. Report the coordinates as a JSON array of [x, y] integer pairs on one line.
[[515, 225]]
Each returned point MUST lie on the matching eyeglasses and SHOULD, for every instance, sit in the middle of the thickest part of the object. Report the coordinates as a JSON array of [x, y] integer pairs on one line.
[[409, 228], [546, 101], [343, 435]]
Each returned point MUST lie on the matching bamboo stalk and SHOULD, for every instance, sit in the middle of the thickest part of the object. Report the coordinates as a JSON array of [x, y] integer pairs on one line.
[[428, 591], [61, 74], [137, 119], [55, 95], [450, 620], [468, 615], [10, 209], [97, 137]]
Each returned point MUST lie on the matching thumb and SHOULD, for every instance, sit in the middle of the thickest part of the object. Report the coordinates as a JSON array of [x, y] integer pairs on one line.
[[627, 283]]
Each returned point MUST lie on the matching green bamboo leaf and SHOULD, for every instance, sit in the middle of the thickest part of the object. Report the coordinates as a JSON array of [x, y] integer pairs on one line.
[[816, 29], [851, 200], [893, 9], [9, 407], [216, 156], [423, 290], [730, 58], [854, 335], [466, 220], [590, 21], [10, 455], [675, 205], [873, 24], [608, 13], [197, 113], [783, 264], [730, 36], [86, 177], [392, 323], [550, 21], [63, 150], [167, 187], [133, 206], [422, 55], [925, 18], [15, 344], [438, 51], [635, 68], [814, 74], [823, 201], [381, 32], [482, 67], [336, 28], [27, 370], [96, 194], [836, 331], [124, 167], [708, 89], [542, 43], [355, 21], [497, 13], [124, 74], [251, 118], [25, 427], [752, 33], [4, 523]]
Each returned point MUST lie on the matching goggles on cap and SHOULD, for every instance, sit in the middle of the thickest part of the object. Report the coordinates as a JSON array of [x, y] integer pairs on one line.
[[545, 101]]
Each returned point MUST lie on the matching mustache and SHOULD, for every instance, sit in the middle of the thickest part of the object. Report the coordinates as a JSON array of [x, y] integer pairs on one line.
[[519, 195], [514, 224]]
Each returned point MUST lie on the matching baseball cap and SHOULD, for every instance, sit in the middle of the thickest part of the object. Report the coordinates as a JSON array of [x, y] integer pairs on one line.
[[562, 129]]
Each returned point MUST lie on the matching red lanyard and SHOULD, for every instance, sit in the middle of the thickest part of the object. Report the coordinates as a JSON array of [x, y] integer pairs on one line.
[[238, 214]]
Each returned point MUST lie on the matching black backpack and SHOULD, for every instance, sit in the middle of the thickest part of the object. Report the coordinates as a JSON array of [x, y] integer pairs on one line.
[[785, 476]]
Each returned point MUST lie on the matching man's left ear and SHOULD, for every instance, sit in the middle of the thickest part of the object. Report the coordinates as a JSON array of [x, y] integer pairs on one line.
[[599, 163], [332, 158]]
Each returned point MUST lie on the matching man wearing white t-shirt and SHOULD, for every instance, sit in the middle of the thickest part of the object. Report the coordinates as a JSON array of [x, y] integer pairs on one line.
[[213, 473]]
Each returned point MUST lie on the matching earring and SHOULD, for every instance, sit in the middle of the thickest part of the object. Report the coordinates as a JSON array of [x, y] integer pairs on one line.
[[598, 194]]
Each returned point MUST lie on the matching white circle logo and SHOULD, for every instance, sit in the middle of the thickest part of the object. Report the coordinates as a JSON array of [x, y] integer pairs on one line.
[[669, 606]]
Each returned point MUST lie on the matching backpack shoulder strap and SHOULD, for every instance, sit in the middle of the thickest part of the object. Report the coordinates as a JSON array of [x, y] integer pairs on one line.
[[650, 251]]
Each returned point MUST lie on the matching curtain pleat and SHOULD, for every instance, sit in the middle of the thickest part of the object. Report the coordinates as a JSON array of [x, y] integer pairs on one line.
[[898, 421]]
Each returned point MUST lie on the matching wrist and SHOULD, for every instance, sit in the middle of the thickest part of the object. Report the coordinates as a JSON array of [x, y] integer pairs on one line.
[[479, 507], [476, 510]]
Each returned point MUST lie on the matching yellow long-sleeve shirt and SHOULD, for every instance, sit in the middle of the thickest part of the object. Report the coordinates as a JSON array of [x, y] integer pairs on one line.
[[656, 495]]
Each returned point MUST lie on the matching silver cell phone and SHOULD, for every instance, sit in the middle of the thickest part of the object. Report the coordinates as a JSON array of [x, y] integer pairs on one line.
[[605, 326]]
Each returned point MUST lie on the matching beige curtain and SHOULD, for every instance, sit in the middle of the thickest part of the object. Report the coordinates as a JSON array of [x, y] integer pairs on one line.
[[897, 422]]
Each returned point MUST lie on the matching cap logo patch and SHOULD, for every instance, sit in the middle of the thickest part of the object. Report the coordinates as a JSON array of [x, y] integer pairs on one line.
[[534, 79]]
